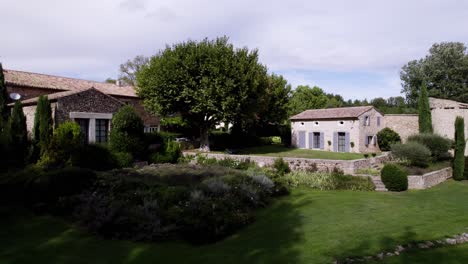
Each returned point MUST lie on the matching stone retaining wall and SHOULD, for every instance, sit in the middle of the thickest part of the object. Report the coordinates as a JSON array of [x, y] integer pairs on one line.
[[429, 179], [348, 166]]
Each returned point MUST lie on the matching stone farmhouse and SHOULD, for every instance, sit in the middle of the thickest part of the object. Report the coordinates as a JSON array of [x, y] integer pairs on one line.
[[345, 129], [91, 104], [339, 129]]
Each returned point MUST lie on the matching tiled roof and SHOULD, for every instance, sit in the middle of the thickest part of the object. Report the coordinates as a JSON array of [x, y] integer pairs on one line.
[[37, 80], [332, 113], [55, 96]]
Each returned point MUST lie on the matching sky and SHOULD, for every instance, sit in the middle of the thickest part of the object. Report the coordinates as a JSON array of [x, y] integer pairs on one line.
[[353, 48]]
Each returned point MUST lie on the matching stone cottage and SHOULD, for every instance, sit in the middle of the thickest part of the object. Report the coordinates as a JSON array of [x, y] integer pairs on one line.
[[444, 112], [345, 129], [90, 104]]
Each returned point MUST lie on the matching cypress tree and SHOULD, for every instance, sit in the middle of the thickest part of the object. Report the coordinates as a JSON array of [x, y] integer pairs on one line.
[[460, 144], [425, 118], [4, 113], [43, 125], [19, 135]]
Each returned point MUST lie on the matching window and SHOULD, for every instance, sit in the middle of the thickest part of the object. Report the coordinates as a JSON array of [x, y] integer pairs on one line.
[[341, 141], [370, 140], [150, 129], [316, 140], [102, 129], [378, 121], [316, 123], [341, 123], [302, 123], [367, 121], [84, 127]]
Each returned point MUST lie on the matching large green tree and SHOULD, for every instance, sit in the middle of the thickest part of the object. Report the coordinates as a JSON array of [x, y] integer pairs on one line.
[[4, 112], [305, 97], [206, 82], [424, 110], [444, 69], [460, 144]]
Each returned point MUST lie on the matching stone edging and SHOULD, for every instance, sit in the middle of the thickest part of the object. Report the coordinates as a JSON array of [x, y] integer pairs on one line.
[[454, 240], [429, 179]]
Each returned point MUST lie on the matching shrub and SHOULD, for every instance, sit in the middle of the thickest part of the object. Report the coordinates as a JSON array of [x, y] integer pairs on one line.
[[394, 178], [19, 145], [438, 145], [63, 145], [127, 134], [170, 154], [424, 110], [329, 181], [460, 144], [281, 166], [366, 155], [226, 162], [413, 153], [123, 159], [386, 138], [95, 157], [35, 185]]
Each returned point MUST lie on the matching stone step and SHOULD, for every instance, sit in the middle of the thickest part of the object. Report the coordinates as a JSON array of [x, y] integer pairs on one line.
[[379, 185]]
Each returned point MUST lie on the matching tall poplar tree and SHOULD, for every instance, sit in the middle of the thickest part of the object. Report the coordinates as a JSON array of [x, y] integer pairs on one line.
[[460, 144], [425, 117]]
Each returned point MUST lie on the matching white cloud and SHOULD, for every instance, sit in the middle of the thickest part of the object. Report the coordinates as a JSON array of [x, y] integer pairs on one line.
[[90, 38]]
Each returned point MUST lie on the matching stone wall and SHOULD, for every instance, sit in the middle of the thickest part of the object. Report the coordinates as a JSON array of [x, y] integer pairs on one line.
[[404, 125], [429, 179], [91, 101], [348, 166], [371, 130]]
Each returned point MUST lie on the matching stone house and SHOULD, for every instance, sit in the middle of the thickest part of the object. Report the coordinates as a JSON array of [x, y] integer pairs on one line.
[[444, 112], [90, 104], [345, 129]]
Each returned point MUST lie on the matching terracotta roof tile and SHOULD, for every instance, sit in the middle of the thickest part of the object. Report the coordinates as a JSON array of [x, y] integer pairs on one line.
[[38, 80], [332, 113]]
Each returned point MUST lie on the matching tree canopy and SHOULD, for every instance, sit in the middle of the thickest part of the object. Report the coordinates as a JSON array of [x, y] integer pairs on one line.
[[304, 97], [444, 69], [206, 82]]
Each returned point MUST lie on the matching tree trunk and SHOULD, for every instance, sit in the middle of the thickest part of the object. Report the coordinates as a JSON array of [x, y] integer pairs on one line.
[[204, 140]]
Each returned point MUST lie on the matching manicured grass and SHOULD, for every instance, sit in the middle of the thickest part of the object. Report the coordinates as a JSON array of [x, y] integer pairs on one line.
[[281, 151], [305, 227]]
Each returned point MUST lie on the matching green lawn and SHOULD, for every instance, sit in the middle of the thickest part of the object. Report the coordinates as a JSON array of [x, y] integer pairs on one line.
[[281, 151], [305, 227]]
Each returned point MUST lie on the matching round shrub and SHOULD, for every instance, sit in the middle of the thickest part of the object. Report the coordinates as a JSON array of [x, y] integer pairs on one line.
[[413, 153], [127, 134], [394, 177], [386, 138], [438, 145]]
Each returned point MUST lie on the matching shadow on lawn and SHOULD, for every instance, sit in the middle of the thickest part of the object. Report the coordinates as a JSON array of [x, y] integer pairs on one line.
[[386, 244], [26, 238]]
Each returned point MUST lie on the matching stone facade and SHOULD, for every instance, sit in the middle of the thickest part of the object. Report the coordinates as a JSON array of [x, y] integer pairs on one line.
[[444, 113], [348, 166], [30, 92], [91, 101], [356, 130], [405, 125], [429, 179]]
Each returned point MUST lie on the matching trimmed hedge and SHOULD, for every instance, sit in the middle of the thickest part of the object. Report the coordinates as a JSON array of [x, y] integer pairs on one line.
[[394, 177]]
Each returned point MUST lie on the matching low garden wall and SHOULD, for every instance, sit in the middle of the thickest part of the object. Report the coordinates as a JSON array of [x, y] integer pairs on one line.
[[348, 166], [429, 179]]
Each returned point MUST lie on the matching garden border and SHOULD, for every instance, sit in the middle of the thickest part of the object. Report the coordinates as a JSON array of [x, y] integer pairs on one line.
[[430, 179], [348, 166]]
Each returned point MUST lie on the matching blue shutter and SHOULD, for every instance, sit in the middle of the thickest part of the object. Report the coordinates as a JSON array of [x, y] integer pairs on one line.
[[311, 140], [347, 142], [302, 138], [378, 121], [366, 140], [335, 141], [322, 140]]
